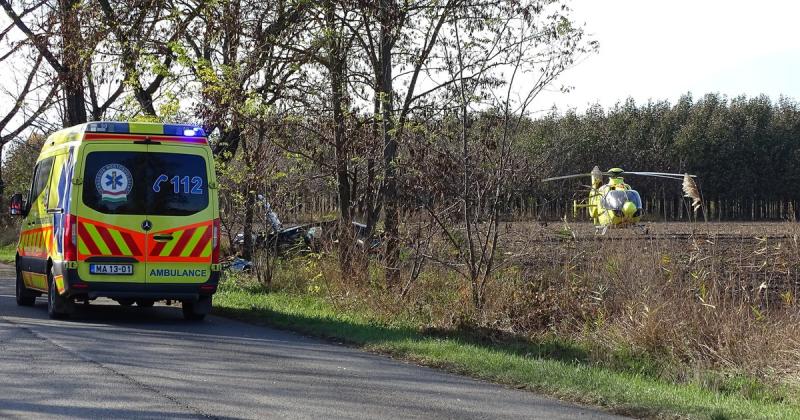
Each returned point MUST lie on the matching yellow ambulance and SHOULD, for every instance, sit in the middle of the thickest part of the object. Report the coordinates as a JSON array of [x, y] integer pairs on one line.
[[122, 210]]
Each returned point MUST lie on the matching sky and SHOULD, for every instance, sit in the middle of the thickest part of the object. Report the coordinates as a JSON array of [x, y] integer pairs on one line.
[[662, 49]]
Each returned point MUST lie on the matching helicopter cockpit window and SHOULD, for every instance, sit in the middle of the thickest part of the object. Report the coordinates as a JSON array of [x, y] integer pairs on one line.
[[614, 200]]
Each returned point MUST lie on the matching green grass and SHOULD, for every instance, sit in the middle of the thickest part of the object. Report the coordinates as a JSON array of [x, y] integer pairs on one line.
[[552, 368], [8, 252]]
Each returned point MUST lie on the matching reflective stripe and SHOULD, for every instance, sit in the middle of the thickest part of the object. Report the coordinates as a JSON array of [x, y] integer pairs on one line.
[[108, 240], [187, 234], [59, 283], [157, 248], [86, 239], [170, 245], [36, 242], [120, 241], [128, 238], [192, 244], [97, 239], [137, 137], [203, 247], [82, 248]]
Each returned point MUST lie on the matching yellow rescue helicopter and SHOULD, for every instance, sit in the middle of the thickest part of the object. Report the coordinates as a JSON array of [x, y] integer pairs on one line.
[[615, 203]]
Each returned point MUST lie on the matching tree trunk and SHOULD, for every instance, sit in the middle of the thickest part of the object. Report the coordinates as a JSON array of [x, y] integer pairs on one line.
[[386, 92], [372, 200], [247, 229], [72, 74], [336, 69]]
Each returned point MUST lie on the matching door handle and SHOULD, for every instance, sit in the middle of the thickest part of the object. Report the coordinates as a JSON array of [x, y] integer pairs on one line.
[[162, 238]]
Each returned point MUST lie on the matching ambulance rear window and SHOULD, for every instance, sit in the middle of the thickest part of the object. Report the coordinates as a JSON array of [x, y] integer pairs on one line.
[[178, 184], [168, 184]]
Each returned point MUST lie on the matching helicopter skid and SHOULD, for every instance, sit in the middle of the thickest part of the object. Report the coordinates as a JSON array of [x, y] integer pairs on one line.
[[639, 228]]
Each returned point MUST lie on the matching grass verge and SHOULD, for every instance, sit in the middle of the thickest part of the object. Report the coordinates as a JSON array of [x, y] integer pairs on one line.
[[533, 368], [7, 253]]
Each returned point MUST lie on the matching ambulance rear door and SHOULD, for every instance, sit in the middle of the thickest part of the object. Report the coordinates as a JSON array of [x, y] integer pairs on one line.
[[181, 210], [112, 212]]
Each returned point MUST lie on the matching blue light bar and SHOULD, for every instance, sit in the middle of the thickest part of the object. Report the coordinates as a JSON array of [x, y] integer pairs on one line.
[[108, 127], [115, 127], [183, 130]]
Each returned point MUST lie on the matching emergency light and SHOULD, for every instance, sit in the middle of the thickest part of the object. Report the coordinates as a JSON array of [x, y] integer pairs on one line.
[[112, 127]]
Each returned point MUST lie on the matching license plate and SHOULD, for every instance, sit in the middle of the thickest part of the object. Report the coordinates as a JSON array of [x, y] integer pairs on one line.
[[111, 268]]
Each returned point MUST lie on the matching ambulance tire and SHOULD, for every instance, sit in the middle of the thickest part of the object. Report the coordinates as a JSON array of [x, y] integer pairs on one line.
[[145, 303], [126, 301], [24, 296], [58, 307], [196, 311]]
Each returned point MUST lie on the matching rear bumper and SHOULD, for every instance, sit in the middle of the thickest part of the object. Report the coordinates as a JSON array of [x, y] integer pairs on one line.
[[77, 288]]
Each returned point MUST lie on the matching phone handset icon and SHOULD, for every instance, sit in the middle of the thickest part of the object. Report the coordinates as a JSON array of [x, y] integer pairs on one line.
[[157, 185]]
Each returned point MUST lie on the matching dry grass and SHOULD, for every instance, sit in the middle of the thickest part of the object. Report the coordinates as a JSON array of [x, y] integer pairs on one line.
[[693, 303], [703, 308]]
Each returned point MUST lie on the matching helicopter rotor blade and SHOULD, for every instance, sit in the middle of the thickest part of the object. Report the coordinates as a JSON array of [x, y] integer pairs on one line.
[[666, 175], [660, 174], [566, 177]]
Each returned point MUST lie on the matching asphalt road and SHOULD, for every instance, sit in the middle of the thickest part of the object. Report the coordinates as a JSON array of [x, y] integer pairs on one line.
[[109, 361]]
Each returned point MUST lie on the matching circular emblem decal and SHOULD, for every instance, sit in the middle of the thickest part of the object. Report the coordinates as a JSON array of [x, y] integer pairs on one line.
[[147, 225], [114, 183]]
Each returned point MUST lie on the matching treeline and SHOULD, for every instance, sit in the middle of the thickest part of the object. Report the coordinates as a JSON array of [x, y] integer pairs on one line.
[[744, 151], [308, 97]]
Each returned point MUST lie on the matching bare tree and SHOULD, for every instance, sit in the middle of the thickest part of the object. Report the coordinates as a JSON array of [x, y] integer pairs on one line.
[[55, 31], [29, 91], [244, 77], [534, 46], [143, 32]]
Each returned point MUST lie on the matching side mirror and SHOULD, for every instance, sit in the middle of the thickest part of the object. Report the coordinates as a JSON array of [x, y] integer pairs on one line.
[[17, 205]]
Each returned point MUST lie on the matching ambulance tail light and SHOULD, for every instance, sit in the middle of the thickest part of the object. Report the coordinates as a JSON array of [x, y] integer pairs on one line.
[[215, 234], [70, 238]]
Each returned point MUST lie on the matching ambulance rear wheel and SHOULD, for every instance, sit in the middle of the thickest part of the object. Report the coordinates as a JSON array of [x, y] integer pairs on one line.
[[189, 314], [24, 296], [126, 301], [58, 307], [196, 311], [145, 303]]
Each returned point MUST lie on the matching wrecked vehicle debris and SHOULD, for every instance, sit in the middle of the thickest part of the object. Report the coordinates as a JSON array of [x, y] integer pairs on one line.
[[301, 238], [237, 264]]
